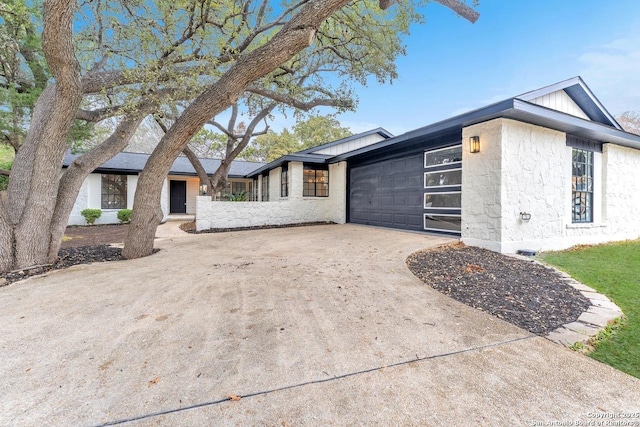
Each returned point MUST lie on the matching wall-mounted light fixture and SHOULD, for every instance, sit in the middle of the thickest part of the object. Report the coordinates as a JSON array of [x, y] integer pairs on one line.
[[474, 144], [525, 216]]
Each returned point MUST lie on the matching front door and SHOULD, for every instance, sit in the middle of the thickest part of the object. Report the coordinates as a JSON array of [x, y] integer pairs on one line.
[[177, 196]]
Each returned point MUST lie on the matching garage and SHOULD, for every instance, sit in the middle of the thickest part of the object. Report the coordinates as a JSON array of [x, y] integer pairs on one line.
[[388, 193], [420, 191]]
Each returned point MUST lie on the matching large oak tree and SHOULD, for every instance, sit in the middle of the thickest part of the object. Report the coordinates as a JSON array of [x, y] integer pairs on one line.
[[141, 57]]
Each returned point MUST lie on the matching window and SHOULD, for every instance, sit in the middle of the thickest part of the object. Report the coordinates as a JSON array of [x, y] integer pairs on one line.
[[315, 181], [265, 188], [443, 156], [284, 181], [443, 178], [114, 191], [582, 186], [443, 189]]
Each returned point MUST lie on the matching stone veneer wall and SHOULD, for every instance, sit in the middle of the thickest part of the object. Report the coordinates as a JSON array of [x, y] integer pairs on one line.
[[280, 210], [526, 168], [482, 186]]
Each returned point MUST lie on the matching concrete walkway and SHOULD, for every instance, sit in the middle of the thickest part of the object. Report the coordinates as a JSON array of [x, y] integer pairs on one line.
[[318, 325]]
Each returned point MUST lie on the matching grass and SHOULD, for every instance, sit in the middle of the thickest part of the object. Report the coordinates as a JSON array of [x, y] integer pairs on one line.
[[613, 270], [6, 159]]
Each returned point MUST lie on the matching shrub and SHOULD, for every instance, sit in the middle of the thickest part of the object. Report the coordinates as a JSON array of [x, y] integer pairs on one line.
[[124, 215], [241, 196], [90, 215]]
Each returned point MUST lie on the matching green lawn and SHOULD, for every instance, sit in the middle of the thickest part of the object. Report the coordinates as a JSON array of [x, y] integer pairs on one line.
[[6, 158], [613, 270]]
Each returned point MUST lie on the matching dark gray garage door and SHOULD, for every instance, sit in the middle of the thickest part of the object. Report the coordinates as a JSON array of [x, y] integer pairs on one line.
[[388, 193]]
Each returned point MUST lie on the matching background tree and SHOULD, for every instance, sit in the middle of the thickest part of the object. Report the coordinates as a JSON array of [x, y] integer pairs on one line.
[[140, 58], [306, 133], [630, 121]]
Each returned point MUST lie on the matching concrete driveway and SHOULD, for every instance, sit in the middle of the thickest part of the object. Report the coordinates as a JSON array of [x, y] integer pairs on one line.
[[318, 325]]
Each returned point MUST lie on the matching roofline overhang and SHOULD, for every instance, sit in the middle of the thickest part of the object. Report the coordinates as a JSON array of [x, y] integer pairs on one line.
[[515, 109], [315, 158], [576, 89], [380, 131], [556, 120]]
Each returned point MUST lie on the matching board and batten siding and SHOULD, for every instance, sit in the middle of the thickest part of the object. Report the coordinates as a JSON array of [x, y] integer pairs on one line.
[[351, 145], [560, 101]]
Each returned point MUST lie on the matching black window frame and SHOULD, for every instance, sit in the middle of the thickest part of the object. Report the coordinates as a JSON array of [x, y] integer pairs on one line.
[[312, 182], [284, 181], [265, 187], [113, 180], [582, 185]]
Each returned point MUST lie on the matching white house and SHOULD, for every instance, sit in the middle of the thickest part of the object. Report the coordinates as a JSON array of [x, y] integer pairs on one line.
[[112, 186], [547, 169]]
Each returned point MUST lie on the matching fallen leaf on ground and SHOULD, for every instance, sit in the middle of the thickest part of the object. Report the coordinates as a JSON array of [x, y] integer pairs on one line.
[[473, 267]]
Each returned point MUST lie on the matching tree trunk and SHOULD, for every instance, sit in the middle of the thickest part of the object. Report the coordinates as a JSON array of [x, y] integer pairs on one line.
[[218, 181], [78, 171], [34, 179], [296, 35]]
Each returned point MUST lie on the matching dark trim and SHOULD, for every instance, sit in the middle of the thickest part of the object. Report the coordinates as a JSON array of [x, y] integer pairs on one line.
[[418, 145], [580, 93], [442, 189], [306, 158], [348, 196], [584, 144], [380, 131]]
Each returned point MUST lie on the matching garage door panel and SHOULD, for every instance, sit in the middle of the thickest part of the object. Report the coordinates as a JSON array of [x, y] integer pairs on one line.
[[394, 197]]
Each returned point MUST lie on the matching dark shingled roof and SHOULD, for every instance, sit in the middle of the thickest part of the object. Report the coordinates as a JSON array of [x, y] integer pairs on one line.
[[134, 162]]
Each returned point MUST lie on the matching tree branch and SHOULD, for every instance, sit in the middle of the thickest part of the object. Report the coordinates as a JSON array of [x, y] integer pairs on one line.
[[300, 105]]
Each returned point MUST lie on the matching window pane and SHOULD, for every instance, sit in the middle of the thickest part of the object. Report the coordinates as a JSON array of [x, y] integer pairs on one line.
[[114, 191], [442, 178], [442, 200], [582, 186], [443, 157], [442, 222], [315, 182]]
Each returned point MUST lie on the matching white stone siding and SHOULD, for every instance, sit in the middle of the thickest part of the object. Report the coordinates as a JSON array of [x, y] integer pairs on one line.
[[275, 178], [621, 191], [536, 177], [560, 101], [289, 210], [526, 168], [351, 145], [481, 183]]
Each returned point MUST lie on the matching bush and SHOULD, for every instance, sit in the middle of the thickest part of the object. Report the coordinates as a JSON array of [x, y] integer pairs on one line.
[[241, 196], [91, 215], [124, 215]]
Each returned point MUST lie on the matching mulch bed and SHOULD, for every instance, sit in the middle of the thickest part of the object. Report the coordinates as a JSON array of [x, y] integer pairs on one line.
[[82, 244], [190, 227], [66, 258], [527, 294]]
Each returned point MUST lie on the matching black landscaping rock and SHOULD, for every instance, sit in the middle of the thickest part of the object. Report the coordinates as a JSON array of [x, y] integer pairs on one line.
[[525, 293]]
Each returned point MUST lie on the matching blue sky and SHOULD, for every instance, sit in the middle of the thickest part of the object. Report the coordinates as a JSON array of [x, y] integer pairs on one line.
[[516, 46]]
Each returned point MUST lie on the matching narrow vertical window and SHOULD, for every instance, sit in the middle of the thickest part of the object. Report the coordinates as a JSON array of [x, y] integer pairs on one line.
[[284, 181], [265, 188], [582, 186]]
